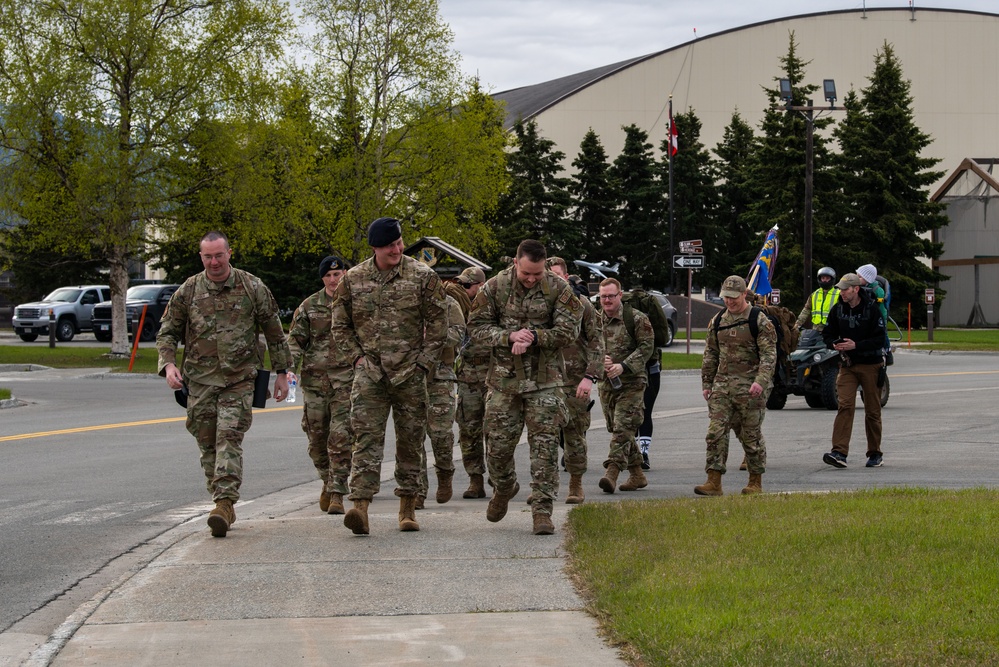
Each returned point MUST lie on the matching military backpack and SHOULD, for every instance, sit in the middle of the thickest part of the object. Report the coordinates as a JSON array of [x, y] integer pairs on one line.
[[648, 304]]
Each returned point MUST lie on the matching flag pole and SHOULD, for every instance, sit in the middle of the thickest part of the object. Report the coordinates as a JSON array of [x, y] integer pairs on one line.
[[672, 245]]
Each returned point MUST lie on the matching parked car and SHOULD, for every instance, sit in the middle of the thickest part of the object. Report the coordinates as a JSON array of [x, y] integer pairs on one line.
[[71, 306], [155, 297]]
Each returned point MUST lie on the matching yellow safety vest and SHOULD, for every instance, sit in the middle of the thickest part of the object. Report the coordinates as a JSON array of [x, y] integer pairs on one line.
[[822, 302]]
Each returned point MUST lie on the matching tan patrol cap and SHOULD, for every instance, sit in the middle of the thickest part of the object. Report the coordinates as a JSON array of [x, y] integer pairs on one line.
[[733, 287], [471, 276], [849, 280]]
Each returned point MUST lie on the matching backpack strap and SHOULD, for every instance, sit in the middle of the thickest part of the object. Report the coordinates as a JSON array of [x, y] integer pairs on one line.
[[628, 315], [754, 325]]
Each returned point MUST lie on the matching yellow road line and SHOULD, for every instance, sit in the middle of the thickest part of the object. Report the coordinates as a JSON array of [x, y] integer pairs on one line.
[[933, 375], [102, 427]]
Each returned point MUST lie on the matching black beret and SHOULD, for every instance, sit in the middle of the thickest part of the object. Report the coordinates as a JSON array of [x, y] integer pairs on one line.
[[383, 232], [331, 263]]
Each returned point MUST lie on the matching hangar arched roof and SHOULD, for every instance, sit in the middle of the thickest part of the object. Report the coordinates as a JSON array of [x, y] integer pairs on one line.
[[950, 56]]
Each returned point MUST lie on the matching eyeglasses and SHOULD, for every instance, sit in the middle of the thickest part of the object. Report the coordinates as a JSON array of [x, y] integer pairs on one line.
[[217, 258], [609, 297]]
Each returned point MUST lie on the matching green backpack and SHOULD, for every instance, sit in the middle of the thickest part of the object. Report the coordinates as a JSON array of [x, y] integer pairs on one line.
[[648, 304]]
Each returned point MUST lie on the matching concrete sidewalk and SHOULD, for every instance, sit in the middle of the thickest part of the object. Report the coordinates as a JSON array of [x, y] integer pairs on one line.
[[291, 585]]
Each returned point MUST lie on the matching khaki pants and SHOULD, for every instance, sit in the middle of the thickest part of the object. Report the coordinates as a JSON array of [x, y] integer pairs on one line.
[[850, 377]]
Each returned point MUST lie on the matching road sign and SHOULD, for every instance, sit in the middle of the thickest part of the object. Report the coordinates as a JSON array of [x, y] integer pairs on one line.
[[691, 247], [930, 297], [775, 297], [687, 262]]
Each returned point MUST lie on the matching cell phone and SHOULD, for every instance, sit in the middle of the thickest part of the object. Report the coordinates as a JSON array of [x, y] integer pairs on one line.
[[838, 341]]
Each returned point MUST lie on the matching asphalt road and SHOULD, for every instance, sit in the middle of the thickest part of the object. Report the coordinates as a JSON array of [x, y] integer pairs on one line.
[[71, 502]]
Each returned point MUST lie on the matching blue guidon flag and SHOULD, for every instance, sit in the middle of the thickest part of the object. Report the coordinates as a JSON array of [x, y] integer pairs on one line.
[[762, 270]]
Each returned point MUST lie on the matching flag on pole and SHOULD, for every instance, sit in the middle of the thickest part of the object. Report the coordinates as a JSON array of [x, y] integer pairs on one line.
[[673, 134], [764, 266]]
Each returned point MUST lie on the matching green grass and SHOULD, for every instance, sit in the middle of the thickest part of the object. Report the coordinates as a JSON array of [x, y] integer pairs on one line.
[[77, 357], [4, 394], [678, 360], [881, 577], [986, 340]]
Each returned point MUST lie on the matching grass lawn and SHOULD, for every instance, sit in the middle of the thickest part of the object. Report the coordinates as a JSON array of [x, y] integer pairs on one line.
[[77, 357], [880, 577], [4, 394]]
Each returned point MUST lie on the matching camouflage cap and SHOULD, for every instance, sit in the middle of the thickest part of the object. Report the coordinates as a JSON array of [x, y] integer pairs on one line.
[[849, 280], [733, 287], [471, 276]]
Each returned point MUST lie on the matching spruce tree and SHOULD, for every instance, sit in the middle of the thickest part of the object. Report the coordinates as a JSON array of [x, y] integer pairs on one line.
[[641, 237], [886, 183], [594, 199], [735, 156]]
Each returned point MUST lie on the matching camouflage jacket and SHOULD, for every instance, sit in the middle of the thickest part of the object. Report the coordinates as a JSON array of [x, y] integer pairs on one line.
[[395, 319], [586, 355], [310, 343], [632, 353], [731, 354], [458, 293], [503, 306], [455, 334], [218, 325]]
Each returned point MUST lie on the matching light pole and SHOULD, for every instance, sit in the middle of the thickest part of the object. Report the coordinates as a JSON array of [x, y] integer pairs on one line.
[[810, 113]]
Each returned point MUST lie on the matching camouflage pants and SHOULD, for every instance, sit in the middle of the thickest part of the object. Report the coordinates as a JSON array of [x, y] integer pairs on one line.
[[370, 402], [326, 422], [574, 432], [543, 412], [218, 418], [624, 410], [470, 414], [732, 408], [440, 428]]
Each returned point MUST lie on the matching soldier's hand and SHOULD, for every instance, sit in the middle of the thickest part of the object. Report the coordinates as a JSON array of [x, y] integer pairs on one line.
[[755, 390], [583, 389], [706, 393], [520, 348], [522, 336], [281, 388], [173, 377]]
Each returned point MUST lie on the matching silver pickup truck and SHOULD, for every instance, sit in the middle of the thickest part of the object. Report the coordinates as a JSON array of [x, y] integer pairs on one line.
[[71, 307]]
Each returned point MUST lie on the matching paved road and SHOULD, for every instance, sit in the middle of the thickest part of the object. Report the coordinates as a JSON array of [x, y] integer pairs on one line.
[[71, 502]]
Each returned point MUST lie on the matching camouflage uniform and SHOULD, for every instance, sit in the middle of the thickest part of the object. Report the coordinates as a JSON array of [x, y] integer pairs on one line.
[[218, 324], [326, 385], [583, 358], [526, 388], [624, 408], [440, 392], [731, 365], [395, 319], [472, 370]]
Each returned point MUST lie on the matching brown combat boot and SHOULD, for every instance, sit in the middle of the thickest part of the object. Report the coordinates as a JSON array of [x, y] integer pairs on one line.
[[743, 466], [543, 524], [636, 479], [220, 518], [420, 502], [499, 503], [357, 518], [324, 500], [712, 487], [444, 490], [335, 504], [755, 484], [575, 490], [476, 488], [609, 481], [407, 514]]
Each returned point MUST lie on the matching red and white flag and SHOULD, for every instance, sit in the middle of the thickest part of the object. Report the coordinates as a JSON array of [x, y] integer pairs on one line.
[[673, 134]]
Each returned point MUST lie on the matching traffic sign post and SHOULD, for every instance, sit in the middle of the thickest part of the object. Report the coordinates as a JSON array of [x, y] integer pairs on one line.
[[688, 262], [694, 247], [930, 298]]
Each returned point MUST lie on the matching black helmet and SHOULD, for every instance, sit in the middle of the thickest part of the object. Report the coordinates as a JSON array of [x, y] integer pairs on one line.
[[827, 271]]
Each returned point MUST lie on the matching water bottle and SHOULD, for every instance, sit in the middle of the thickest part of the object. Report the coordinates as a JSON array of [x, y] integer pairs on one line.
[[615, 383], [292, 388]]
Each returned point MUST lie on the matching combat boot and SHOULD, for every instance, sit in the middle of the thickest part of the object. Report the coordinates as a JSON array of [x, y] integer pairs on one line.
[[336, 504], [575, 490], [324, 500], [636, 479], [499, 503], [712, 487], [543, 524], [743, 466], [444, 490], [220, 518], [755, 484], [407, 514], [476, 488], [420, 502], [357, 518], [609, 481]]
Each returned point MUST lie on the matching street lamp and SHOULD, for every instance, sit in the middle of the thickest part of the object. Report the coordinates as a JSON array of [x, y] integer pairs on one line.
[[810, 113]]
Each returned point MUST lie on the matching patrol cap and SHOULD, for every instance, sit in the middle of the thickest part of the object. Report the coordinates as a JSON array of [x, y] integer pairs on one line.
[[849, 280], [331, 263], [733, 287], [383, 232], [471, 276]]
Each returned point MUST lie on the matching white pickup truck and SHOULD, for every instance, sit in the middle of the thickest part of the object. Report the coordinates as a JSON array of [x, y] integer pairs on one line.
[[71, 307]]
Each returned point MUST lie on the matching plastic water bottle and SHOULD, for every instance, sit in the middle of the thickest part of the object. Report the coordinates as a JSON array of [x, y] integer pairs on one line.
[[615, 383], [292, 388]]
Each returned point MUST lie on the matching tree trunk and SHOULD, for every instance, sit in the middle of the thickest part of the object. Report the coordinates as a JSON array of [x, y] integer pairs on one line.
[[118, 263]]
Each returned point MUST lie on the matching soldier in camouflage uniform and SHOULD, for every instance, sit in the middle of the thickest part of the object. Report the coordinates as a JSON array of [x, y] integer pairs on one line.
[[736, 378], [441, 407], [629, 341], [472, 371], [326, 385], [584, 366], [526, 315], [389, 323], [216, 315]]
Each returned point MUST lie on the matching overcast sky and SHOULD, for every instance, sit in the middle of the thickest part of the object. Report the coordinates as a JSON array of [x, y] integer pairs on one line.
[[513, 43]]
